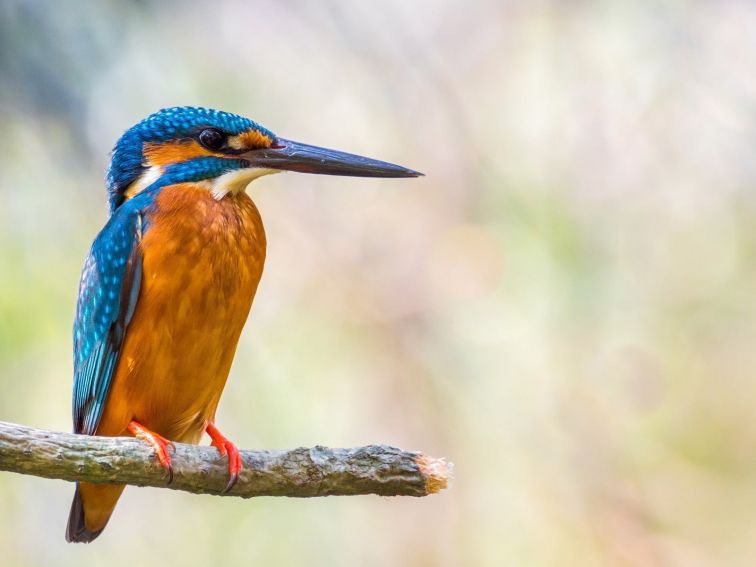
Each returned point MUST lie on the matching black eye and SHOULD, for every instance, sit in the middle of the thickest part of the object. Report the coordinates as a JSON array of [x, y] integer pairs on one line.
[[212, 139]]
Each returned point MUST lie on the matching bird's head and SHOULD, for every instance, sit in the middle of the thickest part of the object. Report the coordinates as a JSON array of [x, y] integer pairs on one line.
[[227, 151]]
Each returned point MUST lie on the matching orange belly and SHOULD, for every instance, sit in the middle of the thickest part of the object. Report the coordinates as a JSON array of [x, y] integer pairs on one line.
[[202, 261]]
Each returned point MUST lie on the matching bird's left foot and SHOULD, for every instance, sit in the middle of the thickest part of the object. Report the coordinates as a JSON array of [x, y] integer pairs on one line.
[[158, 443], [226, 447]]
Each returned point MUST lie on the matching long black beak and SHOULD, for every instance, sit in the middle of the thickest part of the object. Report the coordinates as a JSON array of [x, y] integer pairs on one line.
[[295, 156]]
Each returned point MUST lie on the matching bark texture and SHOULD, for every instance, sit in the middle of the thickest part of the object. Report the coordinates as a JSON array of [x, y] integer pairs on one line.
[[300, 473]]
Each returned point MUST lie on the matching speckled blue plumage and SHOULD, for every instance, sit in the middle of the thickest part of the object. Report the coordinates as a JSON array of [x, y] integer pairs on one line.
[[108, 291], [166, 124]]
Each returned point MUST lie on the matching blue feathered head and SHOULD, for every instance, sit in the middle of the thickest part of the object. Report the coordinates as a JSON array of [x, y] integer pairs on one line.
[[186, 144], [181, 134]]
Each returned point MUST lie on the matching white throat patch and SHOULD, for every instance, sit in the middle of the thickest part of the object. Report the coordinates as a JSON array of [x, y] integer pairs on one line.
[[236, 181], [232, 182], [147, 178]]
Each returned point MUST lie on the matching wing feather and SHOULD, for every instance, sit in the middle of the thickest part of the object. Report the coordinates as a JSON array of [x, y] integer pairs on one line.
[[108, 295]]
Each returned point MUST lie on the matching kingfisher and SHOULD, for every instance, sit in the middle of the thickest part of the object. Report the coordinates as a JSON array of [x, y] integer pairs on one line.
[[169, 283]]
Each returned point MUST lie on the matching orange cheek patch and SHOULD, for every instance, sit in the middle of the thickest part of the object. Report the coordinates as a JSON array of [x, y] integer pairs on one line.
[[250, 140], [174, 152]]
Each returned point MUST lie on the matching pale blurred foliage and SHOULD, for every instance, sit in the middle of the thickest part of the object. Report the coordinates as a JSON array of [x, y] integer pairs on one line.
[[564, 306]]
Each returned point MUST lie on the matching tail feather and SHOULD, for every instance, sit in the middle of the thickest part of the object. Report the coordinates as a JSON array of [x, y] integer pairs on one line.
[[76, 531], [91, 509]]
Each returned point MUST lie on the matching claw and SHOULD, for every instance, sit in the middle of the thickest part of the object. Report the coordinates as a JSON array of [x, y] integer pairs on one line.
[[158, 443], [226, 447]]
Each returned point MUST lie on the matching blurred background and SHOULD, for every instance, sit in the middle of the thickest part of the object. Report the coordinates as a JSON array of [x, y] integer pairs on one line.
[[563, 307]]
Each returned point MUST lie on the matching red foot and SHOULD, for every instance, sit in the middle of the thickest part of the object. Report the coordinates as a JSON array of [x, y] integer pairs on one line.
[[158, 443], [226, 447]]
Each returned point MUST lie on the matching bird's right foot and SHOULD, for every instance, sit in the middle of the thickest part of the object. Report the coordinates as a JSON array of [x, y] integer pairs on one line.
[[158, 443], [226, 447]]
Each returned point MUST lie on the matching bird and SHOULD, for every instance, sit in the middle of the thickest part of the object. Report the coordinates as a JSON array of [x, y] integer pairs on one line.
[[169, 281]]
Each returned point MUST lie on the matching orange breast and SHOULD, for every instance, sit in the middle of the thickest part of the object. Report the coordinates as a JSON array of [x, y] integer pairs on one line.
[[202, 262]]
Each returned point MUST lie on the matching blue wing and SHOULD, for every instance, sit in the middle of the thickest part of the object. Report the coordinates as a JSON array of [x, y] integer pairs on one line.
[[108, 294]]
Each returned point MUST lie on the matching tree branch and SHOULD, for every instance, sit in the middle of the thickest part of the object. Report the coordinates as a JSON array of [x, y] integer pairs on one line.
[[302, 473]]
